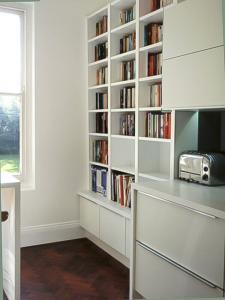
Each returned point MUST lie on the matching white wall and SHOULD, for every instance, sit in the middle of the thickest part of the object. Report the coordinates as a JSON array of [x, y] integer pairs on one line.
[[61, 140]]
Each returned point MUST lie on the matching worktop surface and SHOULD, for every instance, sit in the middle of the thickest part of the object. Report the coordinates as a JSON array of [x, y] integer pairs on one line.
[[209, 200]]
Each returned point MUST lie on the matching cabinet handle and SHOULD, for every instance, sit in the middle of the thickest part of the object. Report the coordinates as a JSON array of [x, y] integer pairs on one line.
[[4, 216], [180, 205], [170, 261]]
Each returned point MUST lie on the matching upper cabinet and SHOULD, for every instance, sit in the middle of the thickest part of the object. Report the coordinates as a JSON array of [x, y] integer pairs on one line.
[[192, 26]]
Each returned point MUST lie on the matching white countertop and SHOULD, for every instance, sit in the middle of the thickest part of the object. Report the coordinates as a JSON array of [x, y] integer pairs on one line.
[[210, 200], [8, 180]]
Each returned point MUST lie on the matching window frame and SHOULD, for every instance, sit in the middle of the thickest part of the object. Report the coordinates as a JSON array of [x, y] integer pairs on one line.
[[27, 137]]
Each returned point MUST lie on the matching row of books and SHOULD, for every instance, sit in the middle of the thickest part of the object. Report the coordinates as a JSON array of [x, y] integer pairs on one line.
[[157, 4], [102, 76], [102, 26], [128, 42], [127, 97], [156, 95], [127, 124], [121, 188], [102, 123], [153, 33], [127, 70], [99, 180], [127, 15], [101, 100], [154, 64], [100, 151], [158, 125], [101, 51]]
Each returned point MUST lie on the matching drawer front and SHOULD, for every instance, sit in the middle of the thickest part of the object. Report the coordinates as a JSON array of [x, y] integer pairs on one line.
[[193, 240], [89, 216], [195, 80], [112, 230], [155, 278], [192, 26]]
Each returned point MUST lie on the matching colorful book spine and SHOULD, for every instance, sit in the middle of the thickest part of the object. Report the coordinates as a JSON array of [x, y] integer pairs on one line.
[[127, 70], [101, 51], [128, 42], [153, 33], [101, 100], [102, 76], [158, 125], [99, 180], [102, 123], [154, 64], [100, 151], [127, 97], [127, 124], [156, 95], [127, 15], [102, 25]]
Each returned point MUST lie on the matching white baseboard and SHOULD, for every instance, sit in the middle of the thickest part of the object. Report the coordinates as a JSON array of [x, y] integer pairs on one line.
[[51, 233]]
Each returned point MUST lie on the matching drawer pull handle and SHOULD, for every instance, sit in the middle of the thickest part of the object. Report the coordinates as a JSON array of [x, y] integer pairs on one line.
[[176, 265], [180, 205]]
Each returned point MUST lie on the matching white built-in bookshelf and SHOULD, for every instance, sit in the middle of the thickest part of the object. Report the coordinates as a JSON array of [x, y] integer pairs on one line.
[[138, 155]]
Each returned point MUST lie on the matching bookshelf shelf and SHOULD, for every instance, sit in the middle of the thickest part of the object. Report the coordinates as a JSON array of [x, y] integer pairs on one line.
[[155, 48], [98, 134], [99, 39], [153, 17], [123, 83], [124, 56], [125, 28], [98, 63], [155, 176], [150, 108], [98, 164], [151, 79], [157, 140], [124, 169], [98, 110], [125, 137], [98, 87]]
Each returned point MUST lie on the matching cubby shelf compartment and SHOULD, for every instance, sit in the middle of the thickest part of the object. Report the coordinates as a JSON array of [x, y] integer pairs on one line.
[[107, 203], [98, 164], [157, 140], [153, 17], [98, 87], [151, 79], [124, 169], [123, 83], [99, 63], [124, 56], [125, 28], [154, 48]]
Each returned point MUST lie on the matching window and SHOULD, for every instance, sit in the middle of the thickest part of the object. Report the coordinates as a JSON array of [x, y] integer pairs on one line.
[[16, 90]]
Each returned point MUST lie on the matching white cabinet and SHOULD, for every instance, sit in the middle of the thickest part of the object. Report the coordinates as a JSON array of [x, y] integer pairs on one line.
[[157, 278], [195, 80], [112, 229], [89, 216], [128, 238], [191, 26]]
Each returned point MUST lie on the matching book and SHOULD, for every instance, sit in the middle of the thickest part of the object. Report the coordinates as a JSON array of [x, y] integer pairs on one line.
[[155, 95], [153, 33], [127, 15], [99, 180], [127, 97], [128, 42], [101, 122], [102, 25], [154, 64], [101, 51], [100, 151], [127, 70], [158, 125], [102, 76], [101, 100], [127, 124]]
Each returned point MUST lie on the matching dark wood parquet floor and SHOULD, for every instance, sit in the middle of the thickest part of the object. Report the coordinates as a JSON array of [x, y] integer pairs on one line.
[[72, 270]]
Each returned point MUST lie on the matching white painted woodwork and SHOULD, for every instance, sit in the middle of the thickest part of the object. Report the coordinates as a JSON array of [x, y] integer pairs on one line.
[[195, 80], [112, 229], [128, 237], [191, 26], [156, 278], [89, 216]]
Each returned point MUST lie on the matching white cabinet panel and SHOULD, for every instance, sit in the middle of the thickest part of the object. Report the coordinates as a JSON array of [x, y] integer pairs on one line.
[[195, 80], [158, 279], [89, 216], [112, 229], [193, 240], [128, 238], [191, 26]]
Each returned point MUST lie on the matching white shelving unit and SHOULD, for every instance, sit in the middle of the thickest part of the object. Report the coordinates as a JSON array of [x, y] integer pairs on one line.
[[145, 158]]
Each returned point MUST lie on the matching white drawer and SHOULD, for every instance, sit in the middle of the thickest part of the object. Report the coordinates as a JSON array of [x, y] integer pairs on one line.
[[89, 216], [193, 240], [112, 229], [157, 278]]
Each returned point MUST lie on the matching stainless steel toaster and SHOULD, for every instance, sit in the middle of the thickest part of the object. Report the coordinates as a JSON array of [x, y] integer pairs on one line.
[[203, 168]]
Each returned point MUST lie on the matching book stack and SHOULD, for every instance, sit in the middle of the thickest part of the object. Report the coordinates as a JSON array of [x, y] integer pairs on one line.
[[127, 70], [153, 33], [154, 64], [101, 51], [127, 97], [127, 124], [99, 180], [127, 15], [100, 151], [102, 123], [101, 100], [156, 95], [128, 42], [102, 76], [102, 26], [158, 125], [121, 188]]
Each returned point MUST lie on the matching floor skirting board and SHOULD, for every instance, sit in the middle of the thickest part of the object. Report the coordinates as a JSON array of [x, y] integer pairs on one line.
[[50, 233]]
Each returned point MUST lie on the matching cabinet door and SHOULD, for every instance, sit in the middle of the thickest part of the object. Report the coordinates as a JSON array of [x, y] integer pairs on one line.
[[191, 26], [112, 229], [156, 278], [190, 238], [195, 80], [128, 238], [89, 216]]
